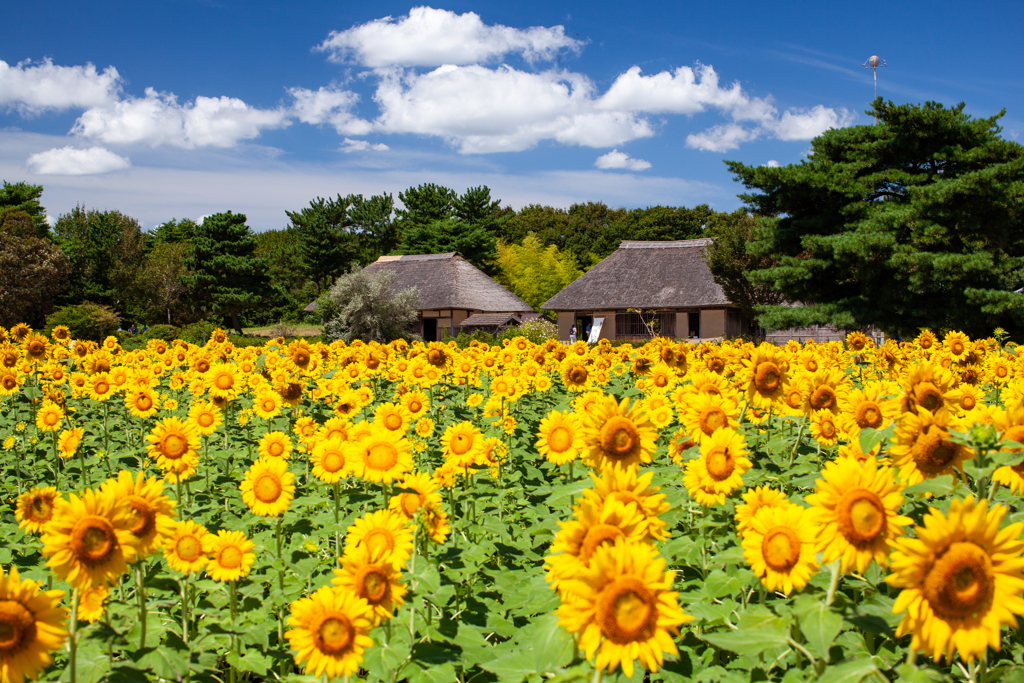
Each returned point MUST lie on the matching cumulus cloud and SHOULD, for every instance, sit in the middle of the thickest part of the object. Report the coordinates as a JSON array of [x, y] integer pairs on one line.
[[720, 138], [432, 37], [806, 124], [350, 145], [501, 110], [74, 161], [31, 88], [329, 105], [617, 159], [772, 163], [158, 119]]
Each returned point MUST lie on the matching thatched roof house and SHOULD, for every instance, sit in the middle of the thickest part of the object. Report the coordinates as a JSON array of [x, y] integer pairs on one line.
[[451, 289], [669, 281]]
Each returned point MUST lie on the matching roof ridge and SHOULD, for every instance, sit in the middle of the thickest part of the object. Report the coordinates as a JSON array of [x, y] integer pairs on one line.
[[666, 244]]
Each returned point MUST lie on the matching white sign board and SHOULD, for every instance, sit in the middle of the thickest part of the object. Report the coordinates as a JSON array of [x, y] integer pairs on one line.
[[595, 331]]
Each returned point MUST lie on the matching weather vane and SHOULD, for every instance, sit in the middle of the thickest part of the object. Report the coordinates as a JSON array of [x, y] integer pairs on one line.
[[874, 61]]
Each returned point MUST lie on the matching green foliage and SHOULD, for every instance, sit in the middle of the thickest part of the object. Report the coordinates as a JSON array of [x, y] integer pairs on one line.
[[473, 243], [423, 205], [362, 305], [537, 331], [198, 333], [465, 340], [533, 272], [23, 197], [324, 248], [33, 271], [226, 274], [731, 262], [164, 275], [172, 231], [86, 321], [371, 222], [910, 223]]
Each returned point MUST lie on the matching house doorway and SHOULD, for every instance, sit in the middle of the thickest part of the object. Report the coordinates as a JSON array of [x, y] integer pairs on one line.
[[694, 324], [430, 329], [582, 323]]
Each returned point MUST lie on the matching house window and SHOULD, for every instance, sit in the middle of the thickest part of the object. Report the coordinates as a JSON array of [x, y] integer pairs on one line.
[[646, 325]]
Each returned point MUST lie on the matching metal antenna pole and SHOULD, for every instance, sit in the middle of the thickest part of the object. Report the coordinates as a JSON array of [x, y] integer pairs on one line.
[[873, 63]]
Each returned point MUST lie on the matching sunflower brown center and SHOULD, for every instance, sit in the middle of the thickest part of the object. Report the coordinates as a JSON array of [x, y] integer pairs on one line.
[[560, 439], [301, 359], [410, 503], [267, 487], [823, 398], [143, 517], [17, 629], [868, 415], [928, 397], [720, 464], [93, 540], [379, 541], [101, 388], [334, 635], [143, 402], [578, 375], [627, 611], [393, 421], [333, 461], [188, 548], [932, 452], [381, 456], [967, 402], [174, 446], [620, 438], [661, 381], [861, 516], [960, 583], [716, 365], [828, 428], [275, 449], [230, 557], [415, 406], [781, 549], [373, 583], [41, 509], [766, 377], [461, 444], [224, 381], [712, 418], [598, 535]]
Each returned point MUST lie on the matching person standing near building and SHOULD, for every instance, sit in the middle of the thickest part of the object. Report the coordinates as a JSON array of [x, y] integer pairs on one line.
[[572, 335]]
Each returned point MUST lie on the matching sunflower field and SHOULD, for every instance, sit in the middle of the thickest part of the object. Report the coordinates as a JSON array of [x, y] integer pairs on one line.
[[428, 513]]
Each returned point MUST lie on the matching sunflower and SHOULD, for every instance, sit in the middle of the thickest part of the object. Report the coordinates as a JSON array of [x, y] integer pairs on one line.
[[868, 408], [275, 445], [69, 441], [223, 381], [926, 339], [420, 488], [173, 444], [825, 428], [267, 404], [382, 532], [962, 579], [424, 427], [618, 434], [100, 387], [434, 520], [35, 347], [661, 416], [922, 448], [928, 386], [560, 438], [10, 382], [335, 428], [623, 485], [35, 508], [764, 376], [329, 461], [779, 545], [187, 548], [575, 375], [662, 378], [595, 523], [48, 417], [91, 603], [957, 344], [622, 608], [268, 487], [60, 333], [370, 576], [392, 417], [718, 471], [89, 541], [31, 627], [754, 500], [381, 456], [142, 403], [151, 511], [826, 389], [231, 555], [461, 442], [706, 413], [857, 505], [329, 632]]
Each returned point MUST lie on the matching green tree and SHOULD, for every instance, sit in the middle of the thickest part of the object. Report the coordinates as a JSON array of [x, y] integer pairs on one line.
[[33, 271], [172, 231], [106, 251], [421, 206], [371, 221], [913, 222], [365, 306], [476, 208], [473, 243], [731, 261], [226, 274], [25, 198], [325, 248], [533, 272], [165, 274]]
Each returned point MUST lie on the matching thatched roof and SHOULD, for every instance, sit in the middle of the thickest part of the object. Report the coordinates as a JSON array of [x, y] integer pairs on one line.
[[449, 281], [644, 275], [490, 320]]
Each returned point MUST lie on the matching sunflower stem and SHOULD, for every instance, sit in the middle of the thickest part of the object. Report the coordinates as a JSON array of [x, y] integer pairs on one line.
[[73, 636], [597, 675], [184, 609], [833, 584], [234, 639], [337, 514], [141, 593]]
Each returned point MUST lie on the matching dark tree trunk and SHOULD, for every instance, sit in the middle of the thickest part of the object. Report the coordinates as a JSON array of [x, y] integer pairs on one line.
[[235, 323]]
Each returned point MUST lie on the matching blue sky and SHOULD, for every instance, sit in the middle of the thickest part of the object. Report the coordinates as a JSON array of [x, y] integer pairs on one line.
[[182, 109]]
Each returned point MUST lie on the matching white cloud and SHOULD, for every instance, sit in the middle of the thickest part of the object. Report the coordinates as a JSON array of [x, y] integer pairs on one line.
[[617, 159], [32, 88], [807, 124], [329, 105], [772, 163], [720, 138], [484, 110], [432, 37], [350, 145], [158, 119], [74, 161]]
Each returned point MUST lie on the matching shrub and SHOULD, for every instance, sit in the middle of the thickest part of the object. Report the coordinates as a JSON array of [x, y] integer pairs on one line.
[[166, 332], [198, 333], [86, 321], [464, 340], [363, 306], [538, 331]]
